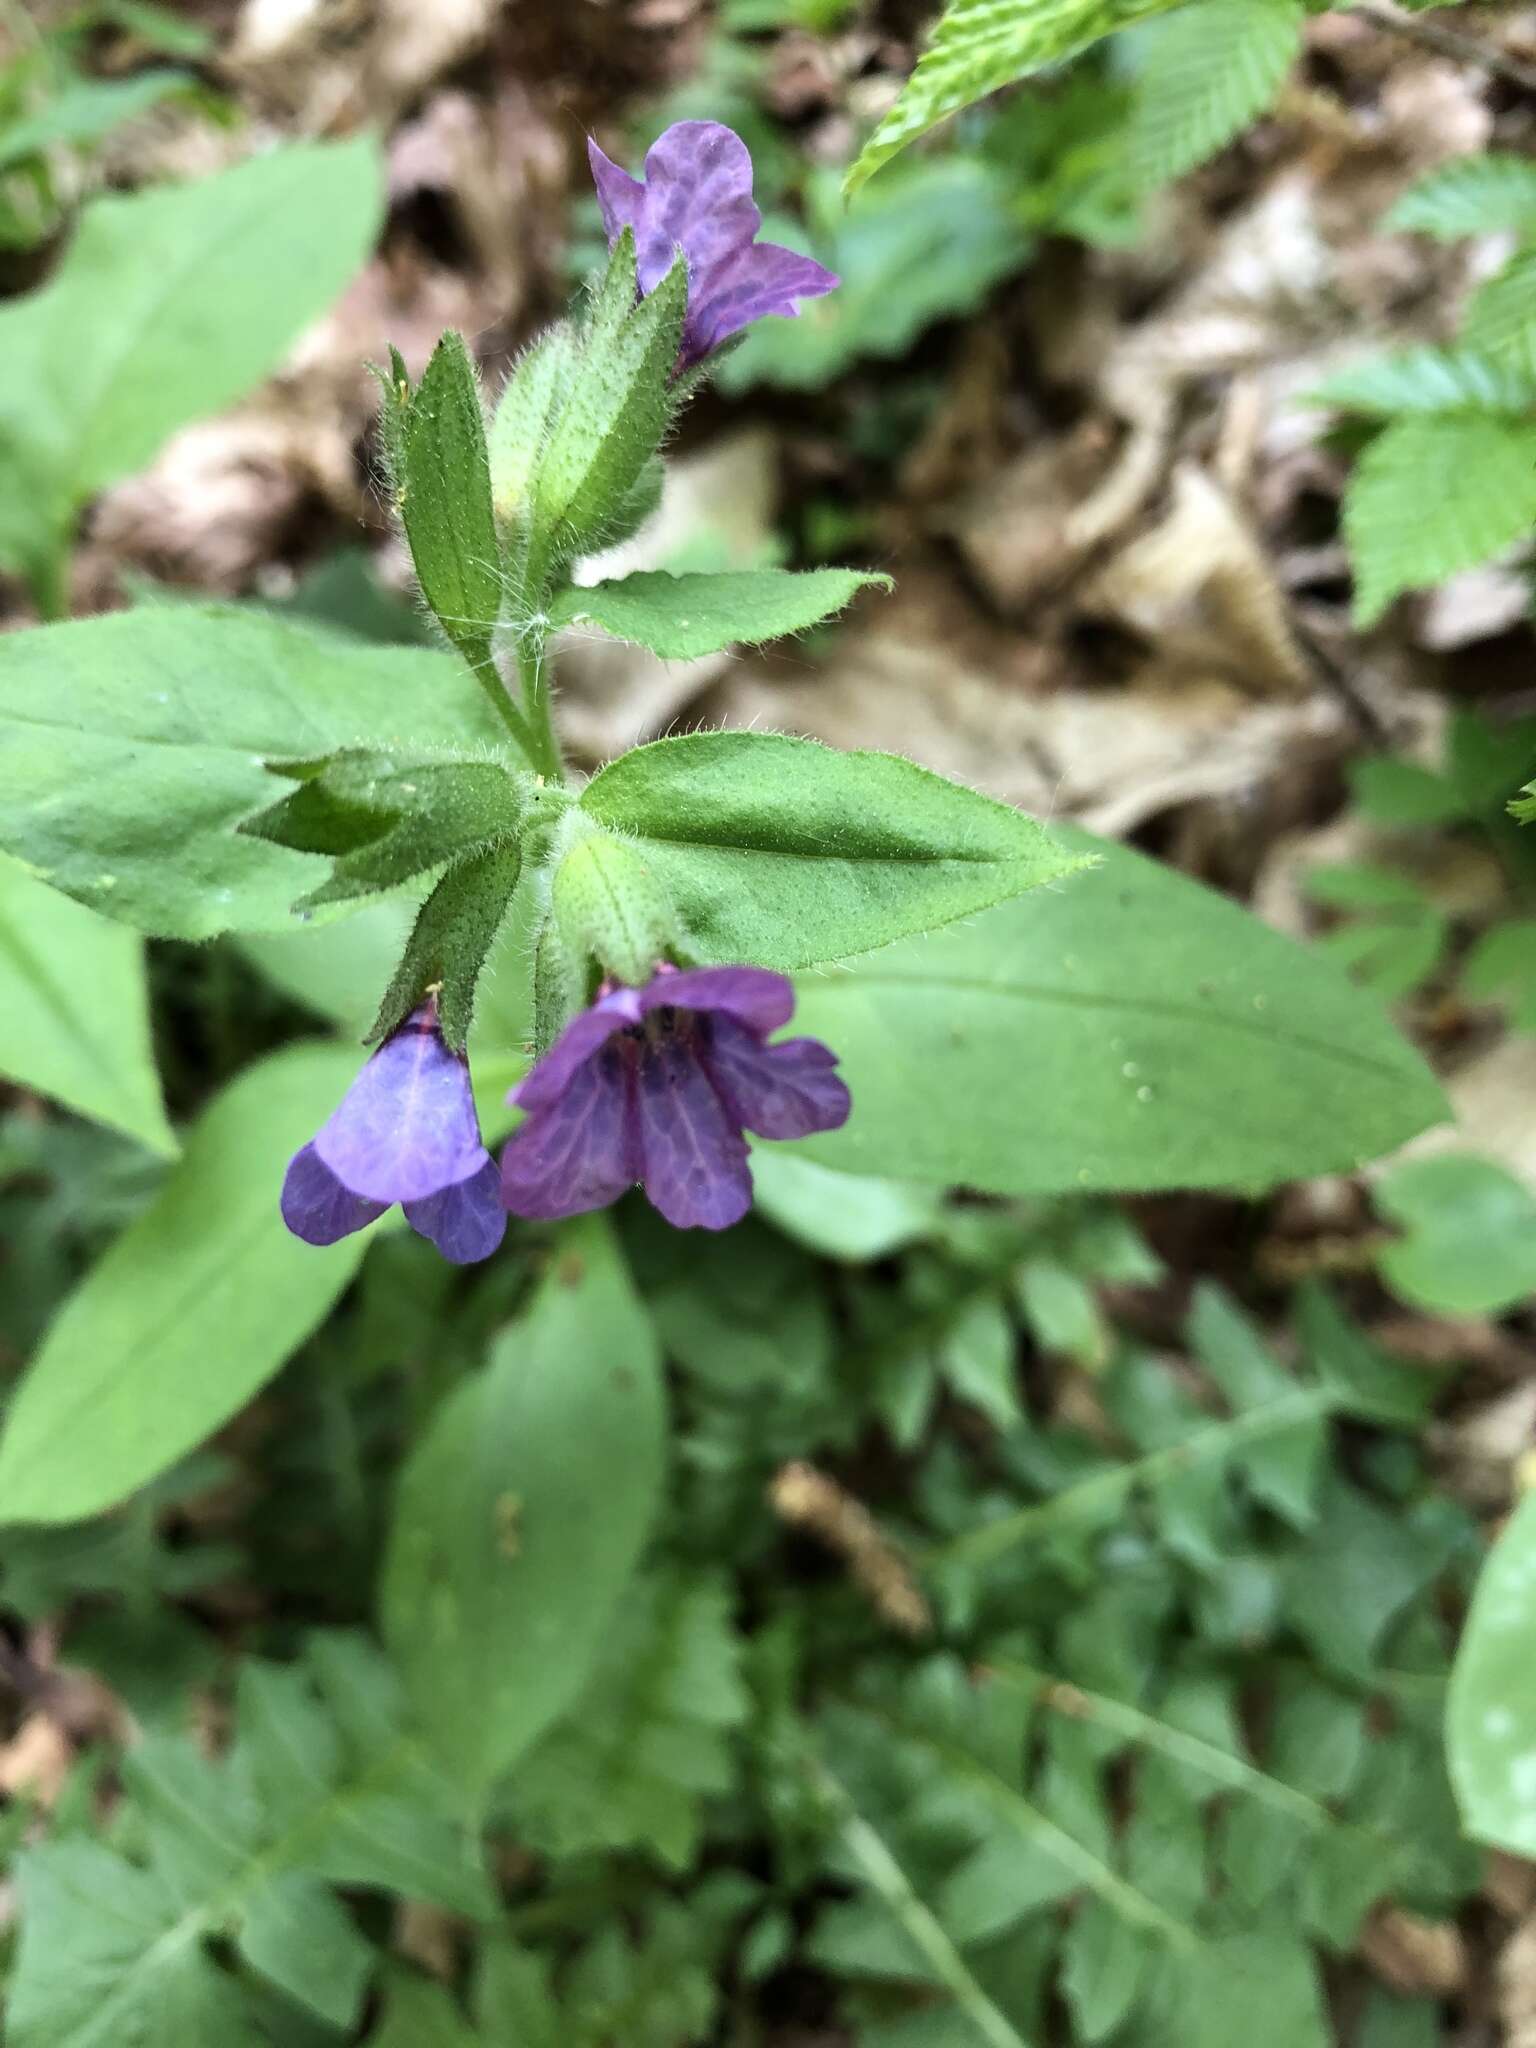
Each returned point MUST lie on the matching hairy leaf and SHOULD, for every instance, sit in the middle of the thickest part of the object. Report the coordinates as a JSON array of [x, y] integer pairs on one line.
[[132, 745], [1133, 1031], [683, 617], [783, 853], [443, 491]]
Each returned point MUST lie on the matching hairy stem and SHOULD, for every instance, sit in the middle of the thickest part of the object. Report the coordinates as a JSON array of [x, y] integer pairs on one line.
[[543, 742]]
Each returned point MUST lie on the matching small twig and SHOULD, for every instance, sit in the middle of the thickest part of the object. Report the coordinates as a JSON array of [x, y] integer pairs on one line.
[[1446, 42]]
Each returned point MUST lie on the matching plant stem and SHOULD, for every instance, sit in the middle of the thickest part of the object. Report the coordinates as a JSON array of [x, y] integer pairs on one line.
[[543, 742]]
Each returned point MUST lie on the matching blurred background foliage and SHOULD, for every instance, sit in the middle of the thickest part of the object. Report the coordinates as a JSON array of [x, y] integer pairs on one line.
[[1047, 1634]]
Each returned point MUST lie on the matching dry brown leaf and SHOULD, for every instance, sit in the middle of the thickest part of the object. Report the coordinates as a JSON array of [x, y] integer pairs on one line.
[[1416, 1956], [36, 1760], [1516, 1978]]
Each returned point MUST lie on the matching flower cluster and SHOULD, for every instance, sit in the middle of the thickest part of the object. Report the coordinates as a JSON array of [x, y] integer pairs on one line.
[[653, 1086]]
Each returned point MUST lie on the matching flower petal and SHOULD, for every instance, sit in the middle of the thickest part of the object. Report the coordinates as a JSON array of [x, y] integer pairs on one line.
[[780, 1091], [466, 1222], [407, 1125], [754, 996], [545, 1082], [695, 1158], [746, 285], [620, 196], [578, 1150], [698, 197], [315, 1204]]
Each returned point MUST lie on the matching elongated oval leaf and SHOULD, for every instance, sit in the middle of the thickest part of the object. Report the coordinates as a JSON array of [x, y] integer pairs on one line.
[[74, 1014], [168, 306], [132, 745], [192, 1309], [783, 852], [522, 1512], [1491, 1711], [683, 617], [1132, 1030]]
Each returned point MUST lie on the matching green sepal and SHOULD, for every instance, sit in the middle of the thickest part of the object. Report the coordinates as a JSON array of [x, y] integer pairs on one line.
[[382, 819], [394, 407], [454, 931], [520, 431], [609, 905], [615, 415], [443, 492], [560, 983]]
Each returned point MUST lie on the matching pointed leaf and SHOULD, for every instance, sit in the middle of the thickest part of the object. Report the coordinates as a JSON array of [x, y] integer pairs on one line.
[[683, 617]]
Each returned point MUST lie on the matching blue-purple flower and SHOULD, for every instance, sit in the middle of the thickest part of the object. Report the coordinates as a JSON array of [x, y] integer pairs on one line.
[[696, 196], [657, 1085], [406, 1131]]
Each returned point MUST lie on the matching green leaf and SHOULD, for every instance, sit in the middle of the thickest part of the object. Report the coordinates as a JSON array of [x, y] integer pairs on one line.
[[1479, 473], [1427, 380], [1207, 72], [529, 403], [385, 818], [1501, 966], [1469, 1235], [443, 491], [783, 853], [207, 283], [1471, 195], [521, 1514], [1393, 792], [191, 1310], [981, 45], [132, 745], [74, 1010], [683, 617], [1501, 317], [313, 1793], [1260, 1988], [1491, 1709], [648, 1739], [1134, 1031], [845, 1216]]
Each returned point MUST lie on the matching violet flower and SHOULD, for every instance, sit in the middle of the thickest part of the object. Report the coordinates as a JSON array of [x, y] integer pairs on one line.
[[406, 1132], [657, 1084], [696, 196]]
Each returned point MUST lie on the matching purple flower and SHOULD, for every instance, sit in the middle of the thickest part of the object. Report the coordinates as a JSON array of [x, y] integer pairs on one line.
[[406, 1132], [696, 196], [657, 1084]]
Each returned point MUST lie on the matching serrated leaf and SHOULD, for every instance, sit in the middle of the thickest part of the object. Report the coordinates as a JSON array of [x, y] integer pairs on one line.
[[132, 745], [116, 1951], [443, 490], [1501, 317], [783, 852], [193, 1307], [74, 1010], [1479, 473], [1207, 71], [981, 45], [1472, 195], [683, 617], [1130, 1031], [208, 284], [648, 1739], [521, 1513], [1427, 380]]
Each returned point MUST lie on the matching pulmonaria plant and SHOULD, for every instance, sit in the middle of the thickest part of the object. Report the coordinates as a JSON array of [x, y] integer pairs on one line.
[[696, 196], [667, 896]]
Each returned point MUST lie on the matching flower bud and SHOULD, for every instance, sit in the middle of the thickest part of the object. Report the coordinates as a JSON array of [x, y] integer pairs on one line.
[[607, 903]]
